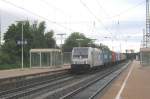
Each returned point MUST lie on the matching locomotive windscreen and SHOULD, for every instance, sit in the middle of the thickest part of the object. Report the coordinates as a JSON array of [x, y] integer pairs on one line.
[[80, 52]]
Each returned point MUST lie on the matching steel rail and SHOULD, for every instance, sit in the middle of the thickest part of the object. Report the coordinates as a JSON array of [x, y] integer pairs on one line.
[[14, 83], [80, 89]]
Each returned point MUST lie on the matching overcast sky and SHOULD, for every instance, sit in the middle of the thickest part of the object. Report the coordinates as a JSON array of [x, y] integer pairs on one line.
[[118, 20]]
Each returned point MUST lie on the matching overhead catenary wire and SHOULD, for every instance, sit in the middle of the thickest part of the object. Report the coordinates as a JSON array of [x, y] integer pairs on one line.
[[54, 7], [63, 12], [127, 10], [122, 12], [59, 23], [98, 19], [35, 14], [101, 7]]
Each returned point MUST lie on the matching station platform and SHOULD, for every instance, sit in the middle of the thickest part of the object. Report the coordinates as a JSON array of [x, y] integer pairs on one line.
[[29, 71], [133, 83]]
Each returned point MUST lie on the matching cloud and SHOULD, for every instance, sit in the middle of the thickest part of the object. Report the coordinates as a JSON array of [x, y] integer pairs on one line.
[[71, 15]]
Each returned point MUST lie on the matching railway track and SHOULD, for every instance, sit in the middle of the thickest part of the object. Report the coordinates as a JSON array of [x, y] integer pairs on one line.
[[15, 82], [15, 86], [74, 90], [92, 88], [65, 86], [74, 87]]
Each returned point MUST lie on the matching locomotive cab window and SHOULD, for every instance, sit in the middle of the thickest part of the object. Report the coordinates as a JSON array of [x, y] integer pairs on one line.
[[80, 53]]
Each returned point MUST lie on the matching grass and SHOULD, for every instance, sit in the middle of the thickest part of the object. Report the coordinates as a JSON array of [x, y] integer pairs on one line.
[[11, 66]]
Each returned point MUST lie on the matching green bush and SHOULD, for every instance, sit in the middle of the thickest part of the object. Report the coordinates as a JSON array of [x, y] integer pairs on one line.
[[11, 66]]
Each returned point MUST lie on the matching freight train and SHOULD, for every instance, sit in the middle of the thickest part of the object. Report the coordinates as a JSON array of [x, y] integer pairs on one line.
[[85, 58]]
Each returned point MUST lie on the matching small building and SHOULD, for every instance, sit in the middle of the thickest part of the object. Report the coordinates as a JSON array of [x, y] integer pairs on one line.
[[145, 56], [45, 57]]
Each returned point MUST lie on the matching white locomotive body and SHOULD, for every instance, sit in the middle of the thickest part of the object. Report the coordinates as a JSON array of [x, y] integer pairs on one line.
[[86, 58]]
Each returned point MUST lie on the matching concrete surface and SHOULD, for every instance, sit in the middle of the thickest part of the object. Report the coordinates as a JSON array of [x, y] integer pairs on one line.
[[27, 71], [133, 83]]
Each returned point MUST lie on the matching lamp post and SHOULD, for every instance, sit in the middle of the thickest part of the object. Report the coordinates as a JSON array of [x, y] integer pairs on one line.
[[61, 35], [22, 43]]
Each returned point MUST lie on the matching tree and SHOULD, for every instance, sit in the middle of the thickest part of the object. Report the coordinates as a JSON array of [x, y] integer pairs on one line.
[[50, 41], [35, 36], [71, 41], [104, 47], [37, 31], [11, 48]]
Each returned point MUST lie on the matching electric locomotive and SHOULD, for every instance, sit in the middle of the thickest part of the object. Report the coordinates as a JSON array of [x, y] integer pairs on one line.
[[84, 58]]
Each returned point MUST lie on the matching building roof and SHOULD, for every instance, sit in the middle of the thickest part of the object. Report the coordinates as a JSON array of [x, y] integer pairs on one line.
[[144, 49], [44, 50]]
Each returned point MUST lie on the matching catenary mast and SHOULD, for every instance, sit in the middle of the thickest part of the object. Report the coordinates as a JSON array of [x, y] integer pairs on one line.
[[147, 34]]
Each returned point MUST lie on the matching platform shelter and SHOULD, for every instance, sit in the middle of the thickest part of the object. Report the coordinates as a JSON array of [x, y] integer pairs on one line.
[[42, 58]]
